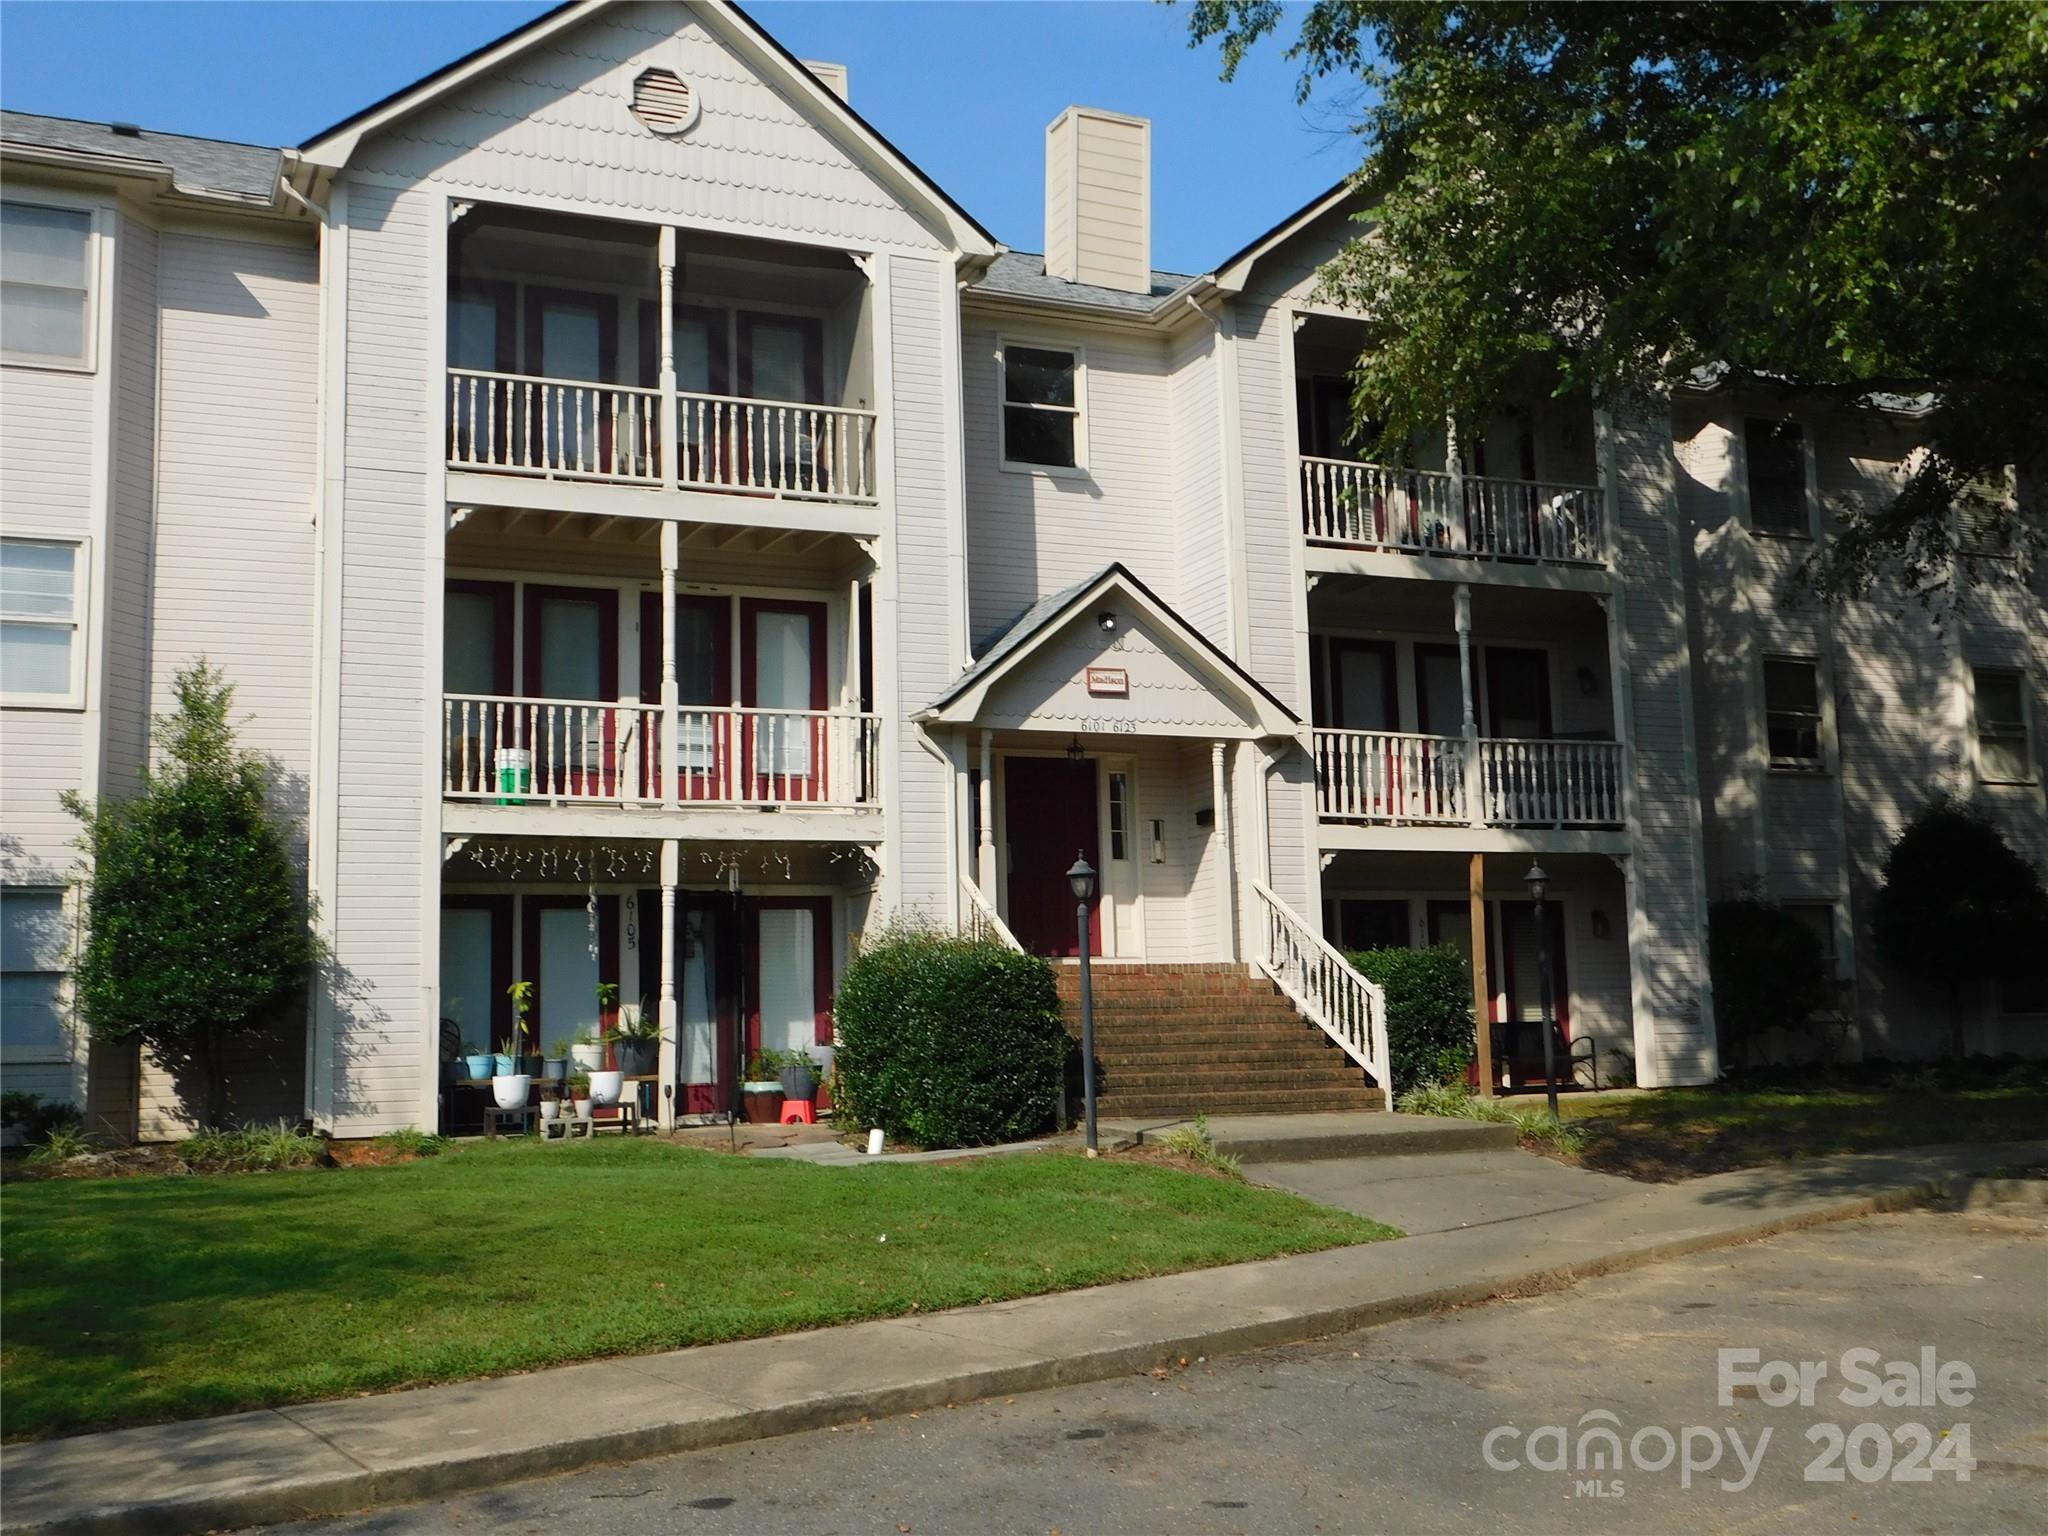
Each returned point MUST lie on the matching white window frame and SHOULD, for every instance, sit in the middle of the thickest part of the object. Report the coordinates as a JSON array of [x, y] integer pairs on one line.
[[1824, 719], [2031, 772], [81, 589], [60, 1052], [1074, 349], [88, 360], [1808, 498]]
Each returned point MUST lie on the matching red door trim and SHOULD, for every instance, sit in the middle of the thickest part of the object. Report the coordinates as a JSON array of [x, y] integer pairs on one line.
[[820, 908]]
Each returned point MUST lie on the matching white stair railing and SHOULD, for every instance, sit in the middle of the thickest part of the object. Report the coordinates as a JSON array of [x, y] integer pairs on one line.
[[980, 920], [1325, 987]]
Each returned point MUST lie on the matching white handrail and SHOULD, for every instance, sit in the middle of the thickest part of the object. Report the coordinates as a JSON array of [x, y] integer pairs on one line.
[[980, 920], [1326, 988], [583, 751], [1425, 511], [784, 448], [1552, 783], [1390, 776]]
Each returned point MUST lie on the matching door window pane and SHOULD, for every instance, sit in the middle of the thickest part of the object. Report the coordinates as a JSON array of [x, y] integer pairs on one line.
[[1517, 698], [473, 334], [788, 979], [469, 656], [782, 681], [571, 342], [693, 355], [1443, 693], [571, 648], [567, 1004], [1365, 702], [466, 990], [697, 997], [779, 364]]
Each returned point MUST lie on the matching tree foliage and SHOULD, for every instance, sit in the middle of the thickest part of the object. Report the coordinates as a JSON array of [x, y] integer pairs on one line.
[[1830, 201], [1429, 1011], [1958, 905], [196, 926], [1769, 972]]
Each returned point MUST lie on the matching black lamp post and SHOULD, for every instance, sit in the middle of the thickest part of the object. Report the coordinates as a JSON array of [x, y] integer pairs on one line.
[[1537, 882], [1081, 881]]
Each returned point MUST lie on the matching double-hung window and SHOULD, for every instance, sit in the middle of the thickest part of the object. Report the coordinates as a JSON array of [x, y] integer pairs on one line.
[[1792, 712], [32, 951], [2002, 747], [1776, 451], [45, 285], [42, 601], [1042, 424]]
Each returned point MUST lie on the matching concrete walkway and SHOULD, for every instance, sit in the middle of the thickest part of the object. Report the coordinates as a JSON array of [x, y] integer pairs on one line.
[[1443, 1191], [325, 1458], [1299, 1138]]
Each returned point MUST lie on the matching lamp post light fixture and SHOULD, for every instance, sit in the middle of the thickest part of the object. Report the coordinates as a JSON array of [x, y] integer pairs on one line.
[[1537, 882], [1081, 881]]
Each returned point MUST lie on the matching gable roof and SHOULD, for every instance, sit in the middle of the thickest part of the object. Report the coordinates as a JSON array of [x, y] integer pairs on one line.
[[963, 696], [333, 146], [213, 168], [1022, 275], [1232, 271]]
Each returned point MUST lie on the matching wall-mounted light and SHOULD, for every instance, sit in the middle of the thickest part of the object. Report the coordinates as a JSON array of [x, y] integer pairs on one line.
[[1075, 754], [1106, 622], [1158, 840]]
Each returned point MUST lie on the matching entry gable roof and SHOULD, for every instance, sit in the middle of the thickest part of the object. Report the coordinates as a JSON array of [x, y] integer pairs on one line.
[[334, 146], [1035, 629]]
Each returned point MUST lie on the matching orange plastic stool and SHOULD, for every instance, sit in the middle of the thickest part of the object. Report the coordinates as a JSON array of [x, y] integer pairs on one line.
[[798, 1112]]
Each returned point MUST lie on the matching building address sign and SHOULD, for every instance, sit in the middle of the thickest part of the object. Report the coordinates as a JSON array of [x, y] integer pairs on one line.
[[1109, 682]]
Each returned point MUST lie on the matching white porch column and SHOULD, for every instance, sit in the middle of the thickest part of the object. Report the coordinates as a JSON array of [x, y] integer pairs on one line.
[[1475, 776], [1461, 532], [1226, 874], [671, 723], [985, 855], [664, 1099], [671, 465]]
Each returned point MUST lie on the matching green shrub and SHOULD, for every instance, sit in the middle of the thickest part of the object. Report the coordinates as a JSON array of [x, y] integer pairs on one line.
[[252, 1149], [412, 1142], [60, 1144], [1429, 1011], [1769, 972], [1457, 1102], [948, 1042], [1192, 1141], [36, 1116], [197, 931]]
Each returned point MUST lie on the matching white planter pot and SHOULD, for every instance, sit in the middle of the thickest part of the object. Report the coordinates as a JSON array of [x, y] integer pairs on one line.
[[586, 1058], [551, 1109], [605, 1088], [511, 1092], [582, 1109]]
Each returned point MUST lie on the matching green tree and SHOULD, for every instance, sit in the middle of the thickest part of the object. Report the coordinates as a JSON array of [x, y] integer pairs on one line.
[[1957, 906], [1832, 201], [1768, 971], [197, 932]]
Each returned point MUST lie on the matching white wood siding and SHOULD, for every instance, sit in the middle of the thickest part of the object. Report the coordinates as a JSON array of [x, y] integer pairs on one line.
[[1030, 534], [1203, 538], [554, 124]]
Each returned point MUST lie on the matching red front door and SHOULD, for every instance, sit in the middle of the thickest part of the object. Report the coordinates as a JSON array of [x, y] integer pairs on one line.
[[1049, 807]]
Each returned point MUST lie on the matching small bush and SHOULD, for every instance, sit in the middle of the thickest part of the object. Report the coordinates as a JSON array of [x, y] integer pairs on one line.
[[1429, 1011], [948, 1042], [1768, 970], [36, 1116], [1192, 1141], [1457, 1102], [252, 1149], [411, 1142], [60, 1144]]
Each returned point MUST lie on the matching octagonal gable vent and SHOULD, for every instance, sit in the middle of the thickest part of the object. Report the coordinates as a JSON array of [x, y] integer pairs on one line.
[[664, 101]]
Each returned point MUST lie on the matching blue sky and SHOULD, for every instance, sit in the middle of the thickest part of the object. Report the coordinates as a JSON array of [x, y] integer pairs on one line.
[[965, 89]]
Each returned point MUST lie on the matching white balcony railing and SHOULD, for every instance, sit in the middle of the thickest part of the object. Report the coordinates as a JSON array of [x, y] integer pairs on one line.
[[1390, 776], [516, 751], [1551, 783], [1422, 511], [566, 429], [1396, 778]]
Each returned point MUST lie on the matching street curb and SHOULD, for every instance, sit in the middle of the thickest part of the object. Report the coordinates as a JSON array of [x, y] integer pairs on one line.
[[351, 1492]]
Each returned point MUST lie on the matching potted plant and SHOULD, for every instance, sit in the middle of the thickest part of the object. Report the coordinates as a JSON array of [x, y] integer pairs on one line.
[[555, 1065], [606, 1086], [550, 1101], [761, 1093], [478, 1066], [586, 1052], [579, 1094], [638, 1041], [509, 1084], [799, 1076]]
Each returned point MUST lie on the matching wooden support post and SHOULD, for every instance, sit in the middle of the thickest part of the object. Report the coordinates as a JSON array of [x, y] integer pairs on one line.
[[1482, 998]]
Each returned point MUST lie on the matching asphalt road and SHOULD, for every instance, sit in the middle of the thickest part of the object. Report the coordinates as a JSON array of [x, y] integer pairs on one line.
[[1388, 1430]]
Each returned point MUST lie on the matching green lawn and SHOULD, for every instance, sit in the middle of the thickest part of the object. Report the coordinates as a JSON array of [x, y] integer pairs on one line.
[[131, 1300], [1676, 1133]]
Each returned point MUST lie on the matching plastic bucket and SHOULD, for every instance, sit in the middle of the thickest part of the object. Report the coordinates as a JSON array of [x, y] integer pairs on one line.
[[515, 775]]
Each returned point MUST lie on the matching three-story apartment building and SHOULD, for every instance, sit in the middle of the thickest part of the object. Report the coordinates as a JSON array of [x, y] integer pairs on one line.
[[660, 536]]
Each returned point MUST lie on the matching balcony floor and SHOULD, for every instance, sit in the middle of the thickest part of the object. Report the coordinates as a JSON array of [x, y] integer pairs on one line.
[[749, 824]]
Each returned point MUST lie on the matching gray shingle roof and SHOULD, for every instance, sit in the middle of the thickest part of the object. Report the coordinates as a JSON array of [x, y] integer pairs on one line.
[[1022, 274], [213, 167]]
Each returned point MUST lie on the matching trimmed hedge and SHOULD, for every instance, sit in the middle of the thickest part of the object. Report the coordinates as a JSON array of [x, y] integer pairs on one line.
[[1429, 1012], [1768, 972], [948, 1042]]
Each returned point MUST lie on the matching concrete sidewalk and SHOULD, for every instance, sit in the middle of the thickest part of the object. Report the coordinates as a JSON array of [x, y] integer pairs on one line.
[[328, 1457]]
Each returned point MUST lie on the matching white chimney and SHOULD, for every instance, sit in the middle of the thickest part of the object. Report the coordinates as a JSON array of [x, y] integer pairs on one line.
[[831, 76], [1098, 199]]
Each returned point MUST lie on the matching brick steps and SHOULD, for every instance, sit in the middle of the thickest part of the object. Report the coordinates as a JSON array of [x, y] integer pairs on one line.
[[1189, 1039]]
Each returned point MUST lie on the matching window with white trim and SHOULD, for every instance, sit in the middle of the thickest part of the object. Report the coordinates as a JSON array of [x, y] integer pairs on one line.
[[1793, 712], [1042, 426], [1119, 815], [33, 941], [2003, 751], [1776, 453], [45, 284], [42, 603]]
